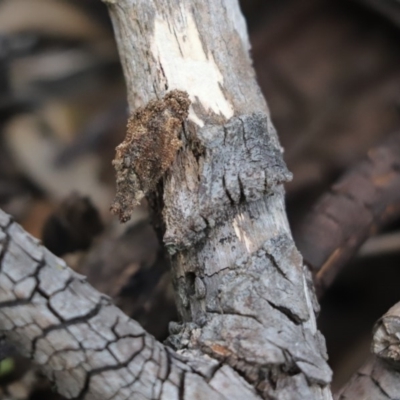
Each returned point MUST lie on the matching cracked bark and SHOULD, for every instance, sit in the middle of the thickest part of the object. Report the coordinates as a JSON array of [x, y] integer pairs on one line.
[[86, 346], [245, 297], [379, 378], [242, 289]]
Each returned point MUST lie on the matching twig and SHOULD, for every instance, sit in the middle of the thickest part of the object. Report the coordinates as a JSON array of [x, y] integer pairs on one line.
[[388, 243]]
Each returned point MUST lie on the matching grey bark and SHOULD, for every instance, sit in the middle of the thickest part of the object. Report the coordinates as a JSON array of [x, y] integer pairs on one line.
[[86, 346], [246, 301], [379, 378], [242, 289]]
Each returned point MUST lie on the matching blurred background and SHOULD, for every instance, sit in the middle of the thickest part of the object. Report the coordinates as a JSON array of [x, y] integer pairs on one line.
[[330, 71]]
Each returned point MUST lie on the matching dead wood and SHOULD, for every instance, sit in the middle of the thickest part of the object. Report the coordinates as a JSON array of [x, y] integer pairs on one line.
[[379, 378], [237, 273], [243, 293], [361, 203], [86, 346]]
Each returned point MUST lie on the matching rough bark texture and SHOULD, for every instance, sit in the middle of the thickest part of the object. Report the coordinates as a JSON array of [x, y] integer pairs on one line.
[[86, 346], [363, 201], [241, 285], [386, 343], [246, 301], [379, 379], [374, 381]]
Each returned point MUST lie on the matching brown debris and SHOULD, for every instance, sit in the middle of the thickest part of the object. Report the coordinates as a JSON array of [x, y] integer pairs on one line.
[[148, 150]]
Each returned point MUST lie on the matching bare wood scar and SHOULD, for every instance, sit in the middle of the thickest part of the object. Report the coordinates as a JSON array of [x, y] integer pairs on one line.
[[148, 150]]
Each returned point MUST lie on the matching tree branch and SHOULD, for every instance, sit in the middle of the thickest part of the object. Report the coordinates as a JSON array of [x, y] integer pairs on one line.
[[242, 289], [86, 346], [361, 203], [379, 378], [245, 297]]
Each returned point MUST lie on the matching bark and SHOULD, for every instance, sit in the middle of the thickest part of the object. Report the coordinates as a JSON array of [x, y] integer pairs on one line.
[[379, 378], [241, 286], [374, 381], [246, 300], [86, 346], [361, 203]]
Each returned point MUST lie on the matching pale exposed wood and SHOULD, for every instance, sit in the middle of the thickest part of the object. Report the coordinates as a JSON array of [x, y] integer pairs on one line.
[[245, 297], [241, 285]]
